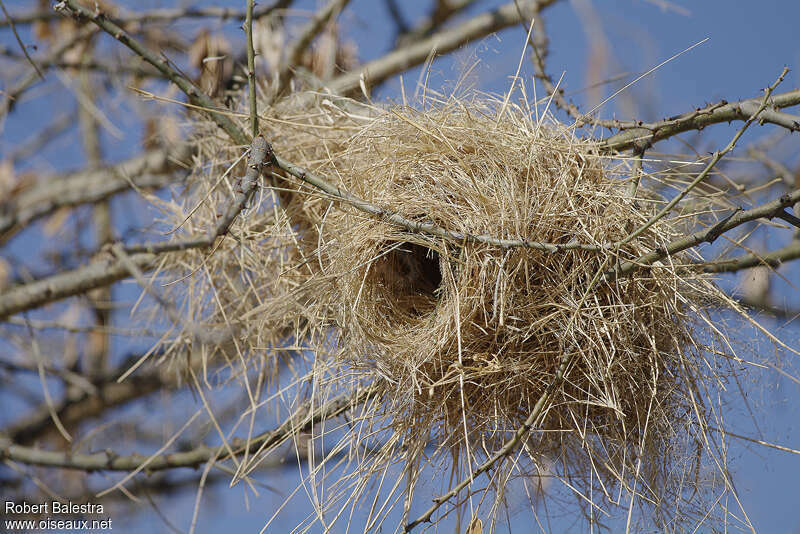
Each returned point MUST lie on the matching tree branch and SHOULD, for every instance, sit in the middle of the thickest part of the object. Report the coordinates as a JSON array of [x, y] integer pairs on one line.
[[770, 210], [717, 156], [107, 270], [640, 135], [303, 419], [251, 69], [161, 15], [13, 95], [79, 405], [421, 227], [149, 170], [442, 42], [441, 13], [307, 34], [774, 259], [10, 21], [539, 43], [195, 96], [69, 283]]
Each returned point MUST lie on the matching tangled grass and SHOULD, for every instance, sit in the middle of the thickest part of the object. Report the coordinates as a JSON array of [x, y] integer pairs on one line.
[[464, 338]]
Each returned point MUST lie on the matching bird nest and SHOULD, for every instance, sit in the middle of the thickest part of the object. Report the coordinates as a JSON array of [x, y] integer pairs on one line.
[[475, 291]]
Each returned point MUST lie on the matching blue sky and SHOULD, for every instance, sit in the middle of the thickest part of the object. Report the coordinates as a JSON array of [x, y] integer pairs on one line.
[[748, 45]]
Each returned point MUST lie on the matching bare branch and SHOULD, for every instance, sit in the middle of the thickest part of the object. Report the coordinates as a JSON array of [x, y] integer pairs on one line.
[[79, 405], [308, 415], [442, 12], [150, 170], [441, 42], [260, 155], [397, 16], [162, 15], [69, 283], [13, 95], [307, 34], [718, 155], [251, 69], [775, 166], [770, 210], [107, 271], [106, 67], [421, 227], [195, 96], [784, 313], [774, 259], [540, 45], [641, 135], [19, 40]]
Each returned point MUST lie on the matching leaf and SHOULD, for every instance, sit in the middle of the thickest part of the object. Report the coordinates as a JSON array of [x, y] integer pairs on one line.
[[475, 526]]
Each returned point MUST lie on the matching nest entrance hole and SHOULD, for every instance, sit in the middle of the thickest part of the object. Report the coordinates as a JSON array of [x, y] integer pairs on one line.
[[415, 271]]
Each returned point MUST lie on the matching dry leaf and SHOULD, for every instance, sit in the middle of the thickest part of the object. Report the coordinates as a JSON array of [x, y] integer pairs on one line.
[[5, 274], [211, 54], [475, 526]]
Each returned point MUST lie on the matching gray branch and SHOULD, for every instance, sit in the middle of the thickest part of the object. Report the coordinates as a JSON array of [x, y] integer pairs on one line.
[[150, 170], [640, 135], [308, 415]]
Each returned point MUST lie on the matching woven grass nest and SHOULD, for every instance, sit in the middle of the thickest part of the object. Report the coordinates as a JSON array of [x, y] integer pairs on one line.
[[464, 337]]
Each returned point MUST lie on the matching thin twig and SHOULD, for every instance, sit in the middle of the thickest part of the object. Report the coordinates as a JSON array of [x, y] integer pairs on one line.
[[194, 94], [774, 259], [784, 313], [770, 210], [441, 42], [757, 441], [440, 14], [397, 16], [13, 95], [307, 415], [540, 46], [251, 69], [643, 135], [633, 186], [19, 40], [163, 15], [295, 55], [111, 68], [718, 155]]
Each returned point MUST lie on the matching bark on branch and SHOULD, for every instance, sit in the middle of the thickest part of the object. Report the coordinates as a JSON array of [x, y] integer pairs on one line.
[[640, 135], [308, 415]]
